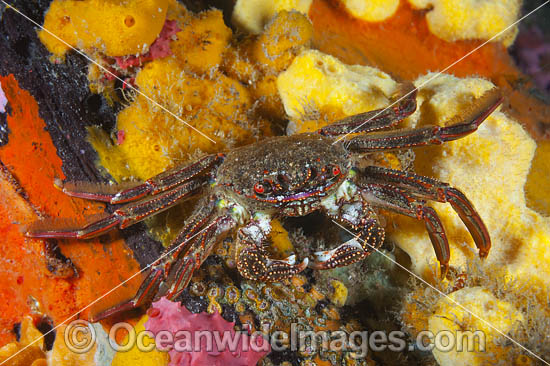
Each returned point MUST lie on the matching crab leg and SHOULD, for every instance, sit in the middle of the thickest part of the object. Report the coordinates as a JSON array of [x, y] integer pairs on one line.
[[394, 199], [252, 259], [432, 189], [144, 295], [181, 271], [460, 126], [160, 183], [377, 119], [170, 275], [370, 236], [122, 217]]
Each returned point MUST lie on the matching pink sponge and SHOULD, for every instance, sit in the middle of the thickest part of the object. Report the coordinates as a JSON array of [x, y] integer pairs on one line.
[[202, 339], [159, 49]]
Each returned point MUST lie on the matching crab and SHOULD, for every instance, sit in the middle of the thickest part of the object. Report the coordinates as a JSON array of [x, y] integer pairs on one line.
[[245, 188]]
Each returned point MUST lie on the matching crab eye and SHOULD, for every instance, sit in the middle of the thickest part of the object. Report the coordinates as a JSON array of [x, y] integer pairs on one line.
[[336, 170], [259, 188]]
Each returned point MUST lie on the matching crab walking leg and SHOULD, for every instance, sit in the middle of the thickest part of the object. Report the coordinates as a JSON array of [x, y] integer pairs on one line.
[[122, 217], [162, 182], [144, 295], [375, 120], [395, 199], [206, 209], [252, 259], [170, 275], [459, 126], [370, 236], [181, 271], [433, 189]]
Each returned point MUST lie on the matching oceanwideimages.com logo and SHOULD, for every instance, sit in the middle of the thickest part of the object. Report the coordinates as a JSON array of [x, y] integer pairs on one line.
[[80, 337]]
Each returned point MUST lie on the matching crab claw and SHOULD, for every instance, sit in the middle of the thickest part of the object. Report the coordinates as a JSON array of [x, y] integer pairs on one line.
[[290, 263], [347, 253], [278, 269], [255, 265], [291, 259], [362, 245]]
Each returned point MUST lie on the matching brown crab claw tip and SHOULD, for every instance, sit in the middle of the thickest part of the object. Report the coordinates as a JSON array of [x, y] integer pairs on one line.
[[483, 254], [303, 265], [444, 268]]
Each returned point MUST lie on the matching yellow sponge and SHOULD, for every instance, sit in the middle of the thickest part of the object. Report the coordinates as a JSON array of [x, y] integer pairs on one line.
[[339, 293], [453, 324], [490, 166], [282, 247], [537, 194], [141, 357], [155, 140], [285, 34], [318, 84], [453, 20], [253, 15], [372, 10], [114, 27], [201, 42]]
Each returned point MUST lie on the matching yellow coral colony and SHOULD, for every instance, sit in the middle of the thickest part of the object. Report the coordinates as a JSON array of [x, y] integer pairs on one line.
[[373, 10], [454, 20], [538, 195], [188, 84]]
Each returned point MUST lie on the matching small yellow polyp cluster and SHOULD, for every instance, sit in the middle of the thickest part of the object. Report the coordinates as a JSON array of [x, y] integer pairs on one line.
[[253, 15], [453, 20], [114, 27], [339, 293], [281, 246], [373, 10], [319, 85], [200, 46]]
